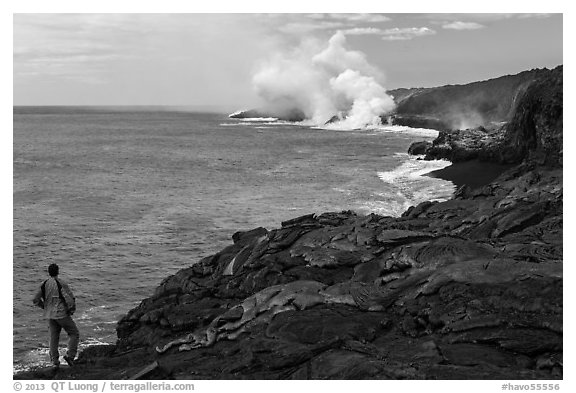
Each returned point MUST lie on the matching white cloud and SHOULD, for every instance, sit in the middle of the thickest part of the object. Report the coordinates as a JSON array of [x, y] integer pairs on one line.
[[539, 16], [290, 26], [458, 25], [363, 31], [393, 34], [299, 28], [406, 33], [484, 18], [363, 18], [294, 24]]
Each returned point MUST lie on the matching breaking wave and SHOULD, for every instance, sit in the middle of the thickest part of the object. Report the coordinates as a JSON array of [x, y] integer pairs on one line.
[[407, 185]]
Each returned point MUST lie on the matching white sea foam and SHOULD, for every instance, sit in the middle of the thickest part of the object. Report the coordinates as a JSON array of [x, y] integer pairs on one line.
[[377, 130], [90, 312], [336, 126], [40, 357], [412, 169], [244, 124], [406, 186], [258, 119], [238, 112], [264, 122], [424, 132]]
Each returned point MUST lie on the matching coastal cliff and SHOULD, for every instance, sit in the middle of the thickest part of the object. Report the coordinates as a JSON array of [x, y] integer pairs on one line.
[[533, 131], [470, 288], [486, 103]]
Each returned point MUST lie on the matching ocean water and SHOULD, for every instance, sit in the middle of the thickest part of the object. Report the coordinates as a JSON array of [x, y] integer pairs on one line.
[[122, 198]]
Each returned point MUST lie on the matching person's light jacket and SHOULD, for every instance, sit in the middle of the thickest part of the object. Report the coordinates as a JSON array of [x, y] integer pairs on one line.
[[54, 307]]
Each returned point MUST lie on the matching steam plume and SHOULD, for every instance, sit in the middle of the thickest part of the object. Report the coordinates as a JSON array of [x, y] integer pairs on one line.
[[321, 83]]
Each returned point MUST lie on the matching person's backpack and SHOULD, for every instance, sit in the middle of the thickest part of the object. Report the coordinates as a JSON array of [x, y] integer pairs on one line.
[[43, 287]]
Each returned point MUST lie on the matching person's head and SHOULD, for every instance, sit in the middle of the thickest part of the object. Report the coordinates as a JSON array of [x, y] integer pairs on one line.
[[53, 270]]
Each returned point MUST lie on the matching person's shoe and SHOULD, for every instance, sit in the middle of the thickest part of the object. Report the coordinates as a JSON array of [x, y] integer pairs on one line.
[[69, 360]]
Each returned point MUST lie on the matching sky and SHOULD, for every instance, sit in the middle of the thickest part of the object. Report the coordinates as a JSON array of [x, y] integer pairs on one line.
[[209, 60]]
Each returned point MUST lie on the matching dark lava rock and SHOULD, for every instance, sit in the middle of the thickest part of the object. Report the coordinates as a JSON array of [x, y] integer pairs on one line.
[[537, 124], [534, 129], [465, 145], [287, 115], [419, 148], [419, 121], [333, 119]]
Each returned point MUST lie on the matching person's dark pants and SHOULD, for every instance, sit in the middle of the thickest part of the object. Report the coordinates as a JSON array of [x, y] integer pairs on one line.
[[55, 326]]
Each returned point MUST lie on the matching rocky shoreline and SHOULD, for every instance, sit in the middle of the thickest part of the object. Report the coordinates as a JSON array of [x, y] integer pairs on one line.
[[470, 288]]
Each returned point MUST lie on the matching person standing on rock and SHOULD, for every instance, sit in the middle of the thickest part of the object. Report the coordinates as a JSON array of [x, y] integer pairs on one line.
[[57, 300]]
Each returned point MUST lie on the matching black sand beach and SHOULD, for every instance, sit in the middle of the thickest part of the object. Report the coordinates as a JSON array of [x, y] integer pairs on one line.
[[473, 173]]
